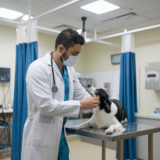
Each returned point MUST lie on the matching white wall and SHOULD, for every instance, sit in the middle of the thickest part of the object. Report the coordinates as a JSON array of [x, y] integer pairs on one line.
[[8, 53], [147, 49], [93, 58]]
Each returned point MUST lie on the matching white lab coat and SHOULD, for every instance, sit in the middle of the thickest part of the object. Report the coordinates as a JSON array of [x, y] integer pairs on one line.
[[46, 109]]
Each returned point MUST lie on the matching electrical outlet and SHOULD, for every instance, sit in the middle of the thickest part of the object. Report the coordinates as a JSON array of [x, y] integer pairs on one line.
[[0, 106]]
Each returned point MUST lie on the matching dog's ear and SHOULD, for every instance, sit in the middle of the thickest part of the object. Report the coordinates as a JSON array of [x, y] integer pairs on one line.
[[108, 103]]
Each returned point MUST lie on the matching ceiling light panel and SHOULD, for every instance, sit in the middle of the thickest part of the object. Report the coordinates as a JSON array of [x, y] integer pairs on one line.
[[100, 7], [9, 14]]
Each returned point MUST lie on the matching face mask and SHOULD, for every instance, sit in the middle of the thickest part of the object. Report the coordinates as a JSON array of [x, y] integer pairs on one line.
[[71, 61]]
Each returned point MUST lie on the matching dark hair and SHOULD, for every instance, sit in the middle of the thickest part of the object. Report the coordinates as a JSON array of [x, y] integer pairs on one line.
[[68, 38]]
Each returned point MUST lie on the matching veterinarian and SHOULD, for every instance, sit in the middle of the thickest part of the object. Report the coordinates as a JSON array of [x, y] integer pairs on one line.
[[54, 93]]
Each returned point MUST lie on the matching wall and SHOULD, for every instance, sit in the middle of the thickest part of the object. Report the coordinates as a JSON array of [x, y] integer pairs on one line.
[[7, 53], [8, 50], [93, 58], [147, 48]]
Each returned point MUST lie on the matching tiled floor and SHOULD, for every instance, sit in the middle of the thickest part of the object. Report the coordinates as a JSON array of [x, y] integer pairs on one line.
[[84, 151]]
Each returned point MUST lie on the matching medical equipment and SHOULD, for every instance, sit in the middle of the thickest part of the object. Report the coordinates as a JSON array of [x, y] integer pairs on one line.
[[84, 81], [158, 109], [152, 76], [54, 88], [4, 74], [116, 59]]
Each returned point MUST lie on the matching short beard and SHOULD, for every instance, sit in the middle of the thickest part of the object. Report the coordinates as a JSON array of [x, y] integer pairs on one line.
[[61, 58]]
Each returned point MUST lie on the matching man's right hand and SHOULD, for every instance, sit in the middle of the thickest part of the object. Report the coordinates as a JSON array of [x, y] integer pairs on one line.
[[89, 103]]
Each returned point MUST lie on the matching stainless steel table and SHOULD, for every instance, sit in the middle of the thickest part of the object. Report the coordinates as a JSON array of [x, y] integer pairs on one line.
[[132, 130]]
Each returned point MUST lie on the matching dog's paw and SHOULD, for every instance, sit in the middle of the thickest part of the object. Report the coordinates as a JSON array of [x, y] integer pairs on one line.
[[109, 131], [76, 127], [124, 121]]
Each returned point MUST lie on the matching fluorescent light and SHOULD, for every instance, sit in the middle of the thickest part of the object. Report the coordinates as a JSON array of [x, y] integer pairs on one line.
[[26, 17], [79, 31], [9, 14], [100, 7]]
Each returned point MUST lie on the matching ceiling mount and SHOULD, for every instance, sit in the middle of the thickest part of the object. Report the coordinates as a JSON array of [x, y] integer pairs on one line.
[[84, 19]]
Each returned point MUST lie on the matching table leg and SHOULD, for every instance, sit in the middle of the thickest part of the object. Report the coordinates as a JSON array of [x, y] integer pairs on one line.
[[150, 146], [103, 150], [120, 150]]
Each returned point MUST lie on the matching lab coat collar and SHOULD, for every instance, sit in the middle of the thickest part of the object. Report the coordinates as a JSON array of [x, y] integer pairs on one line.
[[55, 67]]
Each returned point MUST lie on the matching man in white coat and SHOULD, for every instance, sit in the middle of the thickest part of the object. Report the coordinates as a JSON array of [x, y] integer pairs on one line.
[[53, 93]]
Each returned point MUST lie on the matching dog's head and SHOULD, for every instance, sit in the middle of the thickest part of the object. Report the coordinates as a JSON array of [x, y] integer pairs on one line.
[[103, 97]]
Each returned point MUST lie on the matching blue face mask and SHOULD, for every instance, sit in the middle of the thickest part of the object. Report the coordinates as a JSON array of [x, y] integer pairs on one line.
[[71, 61]]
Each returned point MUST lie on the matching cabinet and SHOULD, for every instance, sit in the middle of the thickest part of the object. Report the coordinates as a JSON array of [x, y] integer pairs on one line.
[[84, 81], [142, 141], [5, 133]]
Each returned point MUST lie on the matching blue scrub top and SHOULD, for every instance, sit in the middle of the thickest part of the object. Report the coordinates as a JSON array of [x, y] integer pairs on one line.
[[63, 153]]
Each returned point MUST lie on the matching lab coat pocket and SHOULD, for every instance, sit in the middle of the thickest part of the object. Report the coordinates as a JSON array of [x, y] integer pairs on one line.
[[45, 135]]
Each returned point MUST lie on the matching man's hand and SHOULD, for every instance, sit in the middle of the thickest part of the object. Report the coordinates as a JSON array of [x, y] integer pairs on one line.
[[89, 103]]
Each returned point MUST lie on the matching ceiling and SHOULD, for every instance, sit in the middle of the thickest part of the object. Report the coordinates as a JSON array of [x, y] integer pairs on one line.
[[148, 13]]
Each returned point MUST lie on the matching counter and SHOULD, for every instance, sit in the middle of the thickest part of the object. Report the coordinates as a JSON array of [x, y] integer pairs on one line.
[[148, 115]]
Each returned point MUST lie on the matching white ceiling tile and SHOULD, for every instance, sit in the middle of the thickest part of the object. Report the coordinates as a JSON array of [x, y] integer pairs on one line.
[[65, 1], [57, 4], [147, 24], [62, 19], [47, 32], [117, 31], [119, 3], [78, 13], [37, 3], [83, 2], [124, 22], [110, 32], [157, 1], [24, 1], [115, 24], [18, 6], [96, 19], [38, 11], [66, 9], [49, 16], [122, 3], [153, 14], [2, 2], [53, 4], [117, 12], [99, 29], [78, 24], [128, 28], [47, 24], [143, 6], [134, 19]]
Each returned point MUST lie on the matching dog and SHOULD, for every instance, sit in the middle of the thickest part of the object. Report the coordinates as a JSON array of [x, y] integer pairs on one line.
[[108, 114]]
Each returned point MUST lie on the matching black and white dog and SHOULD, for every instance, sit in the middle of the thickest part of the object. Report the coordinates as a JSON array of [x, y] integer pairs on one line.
[[109, 114]]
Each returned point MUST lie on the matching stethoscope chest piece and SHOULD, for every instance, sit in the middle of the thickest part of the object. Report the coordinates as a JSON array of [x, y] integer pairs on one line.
[[54, 89]]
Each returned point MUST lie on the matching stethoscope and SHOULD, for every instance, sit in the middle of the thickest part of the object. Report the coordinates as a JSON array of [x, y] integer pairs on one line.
[[54, 88]]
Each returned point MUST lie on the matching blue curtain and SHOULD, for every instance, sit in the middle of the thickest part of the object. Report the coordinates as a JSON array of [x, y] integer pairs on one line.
[[26, 53], [128, 98]]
